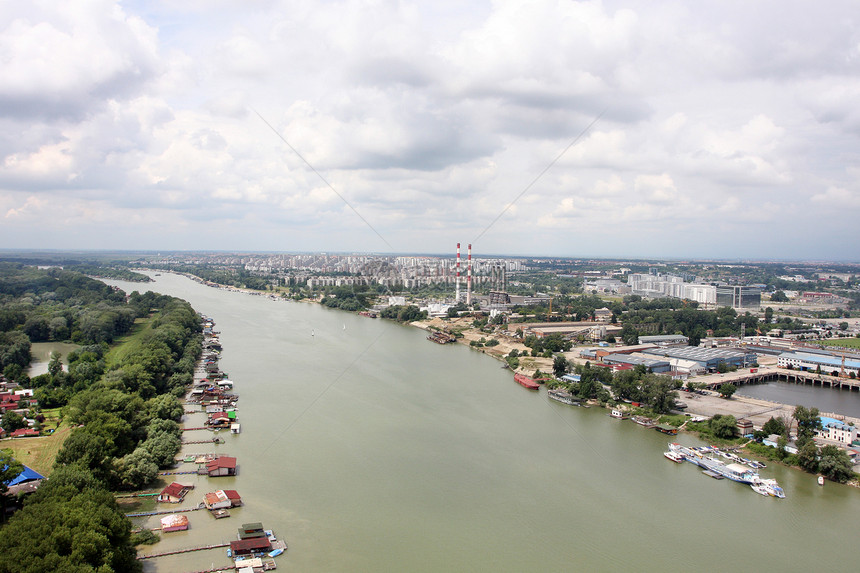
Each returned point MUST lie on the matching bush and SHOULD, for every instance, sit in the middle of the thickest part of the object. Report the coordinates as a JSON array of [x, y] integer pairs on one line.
[[144, 537]]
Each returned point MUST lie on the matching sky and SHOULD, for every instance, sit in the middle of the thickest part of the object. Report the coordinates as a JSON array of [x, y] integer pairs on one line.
[[707, 129]]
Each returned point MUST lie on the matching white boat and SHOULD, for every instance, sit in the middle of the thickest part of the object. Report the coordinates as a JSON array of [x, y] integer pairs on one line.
[[618, 414], [760, 489], [772, 488], [675, 456], [820, 480]]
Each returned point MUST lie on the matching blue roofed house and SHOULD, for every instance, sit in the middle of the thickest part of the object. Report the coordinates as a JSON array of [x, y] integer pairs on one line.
[[27, 481], [838, 431]]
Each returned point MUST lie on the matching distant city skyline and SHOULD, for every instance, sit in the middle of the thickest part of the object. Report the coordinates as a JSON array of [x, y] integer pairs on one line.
[[724, 131]]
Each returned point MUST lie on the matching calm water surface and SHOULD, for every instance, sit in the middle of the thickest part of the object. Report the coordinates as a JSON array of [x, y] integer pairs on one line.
[[830, 400], [41, 355], [369, 448]]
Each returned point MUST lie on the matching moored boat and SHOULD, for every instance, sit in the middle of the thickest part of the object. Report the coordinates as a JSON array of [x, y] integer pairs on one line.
[[734, 472], [564, 397], [820, 480], [643, 421], [440, 337], [676, 457], [666, 429], [526, 382], [759, 488], [618, 414]]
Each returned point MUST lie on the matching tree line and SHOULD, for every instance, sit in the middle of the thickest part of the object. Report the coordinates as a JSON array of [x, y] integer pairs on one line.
[[126, 410]]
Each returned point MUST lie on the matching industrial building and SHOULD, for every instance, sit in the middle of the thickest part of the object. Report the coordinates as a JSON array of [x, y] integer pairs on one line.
[[707, 358], [665, 340], [654, 365], [828, 363]]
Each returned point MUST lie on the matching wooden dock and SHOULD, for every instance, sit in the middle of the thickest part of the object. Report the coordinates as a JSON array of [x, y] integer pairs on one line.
[[164, 511], [189, 550], [215, 440]]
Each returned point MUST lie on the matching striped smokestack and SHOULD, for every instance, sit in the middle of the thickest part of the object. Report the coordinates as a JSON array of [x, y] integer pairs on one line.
[[457, 295], [469, 278]]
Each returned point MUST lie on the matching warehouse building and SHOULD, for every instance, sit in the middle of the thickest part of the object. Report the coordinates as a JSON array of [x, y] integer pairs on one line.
[[708, 358]]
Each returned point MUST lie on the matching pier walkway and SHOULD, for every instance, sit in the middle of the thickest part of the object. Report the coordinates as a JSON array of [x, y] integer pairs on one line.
[[164, 511], [186, 550], [740, 378]]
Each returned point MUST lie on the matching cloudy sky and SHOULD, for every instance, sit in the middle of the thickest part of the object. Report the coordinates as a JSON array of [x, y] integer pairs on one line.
[[725, 129]]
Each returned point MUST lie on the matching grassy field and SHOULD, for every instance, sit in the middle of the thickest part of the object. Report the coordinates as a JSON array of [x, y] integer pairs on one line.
[[126, 344], [846, 342], [39, 453]]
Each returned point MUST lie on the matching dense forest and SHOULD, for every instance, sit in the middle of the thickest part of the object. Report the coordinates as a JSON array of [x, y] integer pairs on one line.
[[123, 403]]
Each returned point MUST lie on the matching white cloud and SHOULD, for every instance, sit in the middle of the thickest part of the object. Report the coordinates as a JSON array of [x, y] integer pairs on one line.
[[429, 118]]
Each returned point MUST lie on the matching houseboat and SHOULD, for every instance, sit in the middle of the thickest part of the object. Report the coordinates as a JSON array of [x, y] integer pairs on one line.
[[666, 429], [564, 397], [618, 414]]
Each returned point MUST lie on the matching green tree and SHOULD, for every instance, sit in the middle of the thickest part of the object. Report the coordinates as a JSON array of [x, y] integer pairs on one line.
[[661, 394], [779, 296], [807, 457], [808, 421], [835, 464], [629, 335], [12, 421], [71, 524], [723, 426], [559, 366], [768, 315], [135, 470], [55, 365], [727, 390], [775, 426]]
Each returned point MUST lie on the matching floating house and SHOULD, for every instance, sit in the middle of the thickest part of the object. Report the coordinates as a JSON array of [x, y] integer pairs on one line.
[[219, 419], [222, 499], [174, 522], [174, 493], [221, 466], [249, 530]]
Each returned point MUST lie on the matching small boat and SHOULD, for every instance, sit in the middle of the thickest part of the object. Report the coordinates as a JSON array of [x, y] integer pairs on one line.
[[643, 421], [618, 415], [771, 487], [820, 480], [760, 489], [276, 552], [676, 457]]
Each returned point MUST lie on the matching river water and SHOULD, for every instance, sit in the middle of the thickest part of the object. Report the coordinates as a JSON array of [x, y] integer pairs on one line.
[[368, 448], [831, 400]]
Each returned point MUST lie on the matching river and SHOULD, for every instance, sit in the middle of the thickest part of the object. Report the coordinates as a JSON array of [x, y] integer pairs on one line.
[[831, 400], [371, 449]]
